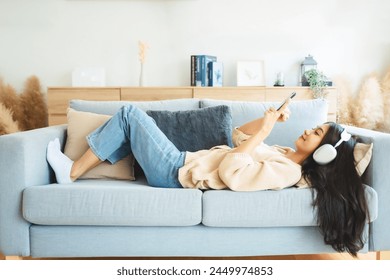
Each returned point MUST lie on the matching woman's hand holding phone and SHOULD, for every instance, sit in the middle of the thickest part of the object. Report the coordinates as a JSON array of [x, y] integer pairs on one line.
[[283, 108], [287, 100], [261, 128]]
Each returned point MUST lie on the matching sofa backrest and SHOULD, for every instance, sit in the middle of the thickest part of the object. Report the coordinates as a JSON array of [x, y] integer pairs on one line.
[[304, 114], [111, 107]]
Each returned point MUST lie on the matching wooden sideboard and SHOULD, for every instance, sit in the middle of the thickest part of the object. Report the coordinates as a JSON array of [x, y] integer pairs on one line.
[[59, 97]]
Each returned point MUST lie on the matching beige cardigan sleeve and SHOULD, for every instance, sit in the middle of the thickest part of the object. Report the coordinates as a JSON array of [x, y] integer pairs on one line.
[[241, 173]]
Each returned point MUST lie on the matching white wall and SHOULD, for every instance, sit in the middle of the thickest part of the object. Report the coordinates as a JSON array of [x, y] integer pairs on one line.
[[49, 38]]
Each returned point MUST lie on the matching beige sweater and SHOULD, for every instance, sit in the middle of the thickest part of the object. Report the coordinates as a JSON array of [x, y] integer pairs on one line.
[[219, 168]]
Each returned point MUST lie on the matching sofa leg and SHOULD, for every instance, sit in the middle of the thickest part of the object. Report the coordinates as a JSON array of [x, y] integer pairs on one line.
[[383, 255], [13, 258]]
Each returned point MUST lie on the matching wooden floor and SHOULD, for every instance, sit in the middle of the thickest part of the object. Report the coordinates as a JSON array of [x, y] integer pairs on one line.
[[368, 256]]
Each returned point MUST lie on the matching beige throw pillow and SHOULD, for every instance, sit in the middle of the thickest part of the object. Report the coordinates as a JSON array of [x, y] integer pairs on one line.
[[362, 154], [80, 124]]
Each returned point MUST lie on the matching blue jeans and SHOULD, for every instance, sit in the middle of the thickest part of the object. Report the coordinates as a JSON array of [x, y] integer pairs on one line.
[[131, 130]]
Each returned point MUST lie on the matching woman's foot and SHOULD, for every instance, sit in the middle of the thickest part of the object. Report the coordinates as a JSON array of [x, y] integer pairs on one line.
[[60, 163]]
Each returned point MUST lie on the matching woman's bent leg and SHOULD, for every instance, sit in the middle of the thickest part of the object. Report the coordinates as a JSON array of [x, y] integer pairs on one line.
[[85, 163], [131, 129], [65, 169], [60, 163]]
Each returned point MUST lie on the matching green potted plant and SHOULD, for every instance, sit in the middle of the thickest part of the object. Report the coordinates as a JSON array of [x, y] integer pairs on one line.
[[317, 82]]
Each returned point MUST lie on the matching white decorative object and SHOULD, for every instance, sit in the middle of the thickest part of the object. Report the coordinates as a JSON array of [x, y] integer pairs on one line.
[[279, 80], [142, 46], [89, 77], [250, 73], [141, 76]]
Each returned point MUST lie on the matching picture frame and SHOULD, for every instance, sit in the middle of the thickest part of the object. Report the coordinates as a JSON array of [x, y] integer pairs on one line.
[[250, 73]]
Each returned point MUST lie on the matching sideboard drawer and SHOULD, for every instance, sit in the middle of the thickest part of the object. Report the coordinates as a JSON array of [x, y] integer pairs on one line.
[[58, 100], [155, 93], [231, 93]]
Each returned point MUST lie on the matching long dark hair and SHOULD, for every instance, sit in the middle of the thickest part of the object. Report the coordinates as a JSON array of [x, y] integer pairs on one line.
[[338, 194]]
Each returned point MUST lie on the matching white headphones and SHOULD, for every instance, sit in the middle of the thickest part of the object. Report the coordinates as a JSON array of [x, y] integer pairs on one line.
[[326, 153]]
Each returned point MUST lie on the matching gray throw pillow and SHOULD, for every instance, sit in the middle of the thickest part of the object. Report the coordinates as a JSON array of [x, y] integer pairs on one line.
[[195, 130]]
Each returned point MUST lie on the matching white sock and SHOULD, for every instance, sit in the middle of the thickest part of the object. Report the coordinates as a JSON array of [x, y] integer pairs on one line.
[[60, 163]]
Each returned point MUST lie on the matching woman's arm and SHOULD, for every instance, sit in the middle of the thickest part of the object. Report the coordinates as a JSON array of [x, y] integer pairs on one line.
[[254, 126], [261, 128]]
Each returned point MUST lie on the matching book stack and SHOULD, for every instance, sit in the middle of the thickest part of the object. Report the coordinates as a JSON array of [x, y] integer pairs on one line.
[[206, 71]]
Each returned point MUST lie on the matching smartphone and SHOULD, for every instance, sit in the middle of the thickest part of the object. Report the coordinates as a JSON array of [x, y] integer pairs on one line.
[[284, 102]]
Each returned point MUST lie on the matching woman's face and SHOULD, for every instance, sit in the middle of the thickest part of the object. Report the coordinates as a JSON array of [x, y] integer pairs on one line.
[[309, 141]]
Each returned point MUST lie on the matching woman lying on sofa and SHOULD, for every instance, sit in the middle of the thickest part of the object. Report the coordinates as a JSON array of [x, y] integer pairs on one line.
[[250, 166]]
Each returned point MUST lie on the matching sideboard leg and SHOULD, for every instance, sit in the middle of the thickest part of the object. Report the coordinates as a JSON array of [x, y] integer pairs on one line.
[[13, 258], [383, 255]]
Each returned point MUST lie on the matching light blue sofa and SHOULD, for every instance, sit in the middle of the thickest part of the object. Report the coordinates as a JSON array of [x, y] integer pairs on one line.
[[113, 218]]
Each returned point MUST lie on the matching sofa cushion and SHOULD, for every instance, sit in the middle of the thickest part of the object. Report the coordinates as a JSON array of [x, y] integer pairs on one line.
[[304, 115], [80, 124], [194, 130], [111, 107], [111, 203], [286, 208]]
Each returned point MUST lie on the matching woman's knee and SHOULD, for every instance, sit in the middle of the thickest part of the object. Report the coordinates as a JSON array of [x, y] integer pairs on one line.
[[127, 110]]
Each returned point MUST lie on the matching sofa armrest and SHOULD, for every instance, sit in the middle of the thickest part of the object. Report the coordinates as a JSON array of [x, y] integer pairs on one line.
[[377, 176], [22, 164]]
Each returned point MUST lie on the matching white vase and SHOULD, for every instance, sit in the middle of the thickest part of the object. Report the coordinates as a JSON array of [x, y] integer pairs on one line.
[[142, 76]]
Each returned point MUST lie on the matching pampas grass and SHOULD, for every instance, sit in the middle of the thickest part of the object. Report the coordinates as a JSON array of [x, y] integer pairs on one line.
[[10, 100], [370, 107], [368, 111], [7, 123], [345, 99], [386, 101], [24, 111], [33, 105]]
